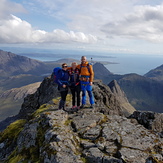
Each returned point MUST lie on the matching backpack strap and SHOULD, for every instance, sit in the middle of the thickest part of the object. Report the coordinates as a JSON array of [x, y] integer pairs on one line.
[[88, 67]]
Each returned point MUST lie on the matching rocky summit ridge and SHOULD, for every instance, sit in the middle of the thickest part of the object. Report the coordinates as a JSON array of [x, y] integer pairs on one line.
[[110, 133], [104, 98]]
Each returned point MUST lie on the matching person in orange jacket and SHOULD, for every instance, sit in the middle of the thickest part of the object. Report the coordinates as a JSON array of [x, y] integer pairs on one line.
[[86, 81]]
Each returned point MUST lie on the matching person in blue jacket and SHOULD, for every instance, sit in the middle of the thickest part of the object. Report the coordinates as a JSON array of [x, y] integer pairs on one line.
[[62, 81]]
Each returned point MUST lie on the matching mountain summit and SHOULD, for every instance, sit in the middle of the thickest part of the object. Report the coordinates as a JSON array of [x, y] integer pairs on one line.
[[42, 133], [12, 64], [156, 74]]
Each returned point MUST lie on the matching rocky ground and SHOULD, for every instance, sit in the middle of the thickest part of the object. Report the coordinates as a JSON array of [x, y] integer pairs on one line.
[[86, 136], [109, 133]]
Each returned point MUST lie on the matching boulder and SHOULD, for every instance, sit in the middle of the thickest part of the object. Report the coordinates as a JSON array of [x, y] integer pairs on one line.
[[150, 120]]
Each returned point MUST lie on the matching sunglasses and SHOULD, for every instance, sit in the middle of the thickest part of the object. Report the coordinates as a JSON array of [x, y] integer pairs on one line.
[[64, 66]]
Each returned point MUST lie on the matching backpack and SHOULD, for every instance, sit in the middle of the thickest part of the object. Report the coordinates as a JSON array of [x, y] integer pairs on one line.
[[55, 73], [85, 66]]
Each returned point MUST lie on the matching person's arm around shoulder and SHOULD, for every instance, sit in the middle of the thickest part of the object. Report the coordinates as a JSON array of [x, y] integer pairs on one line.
[[69, 68], [78, 66], [91, 74]]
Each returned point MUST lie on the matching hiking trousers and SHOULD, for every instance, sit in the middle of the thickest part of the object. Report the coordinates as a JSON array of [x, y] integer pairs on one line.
[[63, 93], [75, 91], [86, 87]]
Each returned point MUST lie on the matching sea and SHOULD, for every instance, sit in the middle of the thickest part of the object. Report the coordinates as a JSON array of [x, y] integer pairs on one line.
[[115, 63]]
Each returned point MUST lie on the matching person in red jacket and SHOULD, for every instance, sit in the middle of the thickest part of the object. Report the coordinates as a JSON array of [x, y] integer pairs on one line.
[[86, 81], [74, 84]]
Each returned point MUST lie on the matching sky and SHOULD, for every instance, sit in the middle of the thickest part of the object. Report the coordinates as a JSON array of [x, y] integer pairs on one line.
[[119, 26]]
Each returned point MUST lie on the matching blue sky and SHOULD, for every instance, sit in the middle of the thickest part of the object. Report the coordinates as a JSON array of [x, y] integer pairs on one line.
[[119, 26]]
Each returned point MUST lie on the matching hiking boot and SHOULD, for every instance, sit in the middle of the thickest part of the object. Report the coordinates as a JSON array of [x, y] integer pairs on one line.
[[82, 106], [61, 104], [73, 107], [78, 107], [92, 106], [64, 109]]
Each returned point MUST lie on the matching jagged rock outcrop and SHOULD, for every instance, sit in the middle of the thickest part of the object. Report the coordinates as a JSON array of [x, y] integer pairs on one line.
[[46, 92], [121, 97], [142, 92], [107, 102]]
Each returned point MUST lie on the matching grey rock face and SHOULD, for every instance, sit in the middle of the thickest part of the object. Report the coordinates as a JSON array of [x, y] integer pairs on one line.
[[108, 102], [157, 123], [88, 135], [150, 120], [46, 92], [145, 118], [121, 97], [28, 136]]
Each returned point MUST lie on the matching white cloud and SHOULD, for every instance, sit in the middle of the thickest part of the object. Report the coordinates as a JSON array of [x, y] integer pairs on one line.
[[108, 19], [15, 30], [86, 15], [89, 21], [7, 7], [145, 22]]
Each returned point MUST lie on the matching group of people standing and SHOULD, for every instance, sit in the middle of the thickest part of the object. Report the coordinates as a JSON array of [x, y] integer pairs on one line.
[[78, 78]]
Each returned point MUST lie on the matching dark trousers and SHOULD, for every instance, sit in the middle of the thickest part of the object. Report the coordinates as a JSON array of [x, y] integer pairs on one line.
[[63, 92], [75, 91], [63, 95]]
